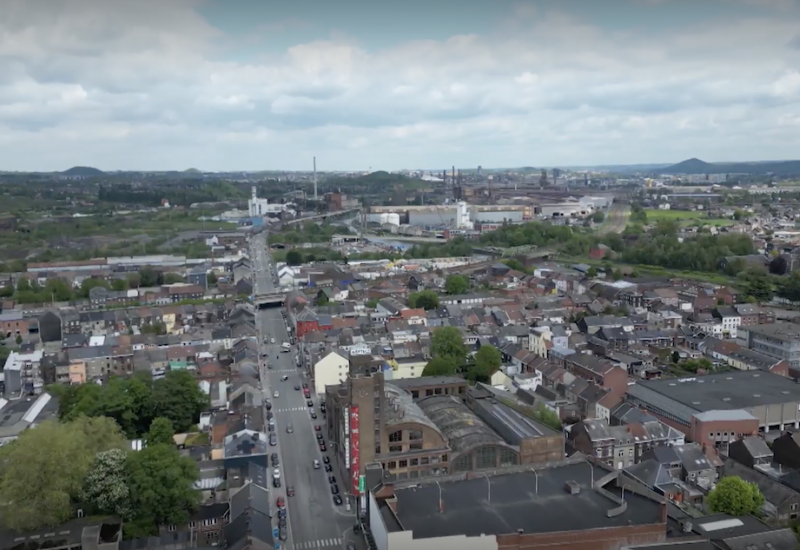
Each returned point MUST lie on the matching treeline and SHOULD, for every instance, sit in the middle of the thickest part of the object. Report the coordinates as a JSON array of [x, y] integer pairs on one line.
[[702, 253], [183, 194]]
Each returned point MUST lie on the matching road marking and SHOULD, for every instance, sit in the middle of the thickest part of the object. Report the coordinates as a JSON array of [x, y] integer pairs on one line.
[[292, 409], [322, 543]]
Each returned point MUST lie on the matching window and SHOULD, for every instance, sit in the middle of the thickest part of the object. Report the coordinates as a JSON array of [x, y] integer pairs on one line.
[[438, 391], [434, 460], [794, 506], [508, 457], [415, 446], [486, 457], [413, 474], [209, 522], [403, 464], [430, 392], [415, 462], [423, 460], [391, 465], [192, 524], [444, 458], [395, 448], [630, 452], [396, 436], [171, 528], [415, 434], [621, 453], [377, 449], [212, 537]]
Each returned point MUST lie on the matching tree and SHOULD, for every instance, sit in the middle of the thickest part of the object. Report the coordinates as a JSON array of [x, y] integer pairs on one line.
[[18, 339], [758, 286], [598, 217], [439, 366], [617, 274], [178, 398], [735, 496], [90, 283], [293, 257], [676, 357], [161, 482], [148, 276], [160, 433], [426, 299], [778, 265], [372, 303], [105, 487], [457, 284], [23, 284], [448, 342], [172, 278], [487, 362], [119, 285], [211, 278], [44, 468], [592, 273]]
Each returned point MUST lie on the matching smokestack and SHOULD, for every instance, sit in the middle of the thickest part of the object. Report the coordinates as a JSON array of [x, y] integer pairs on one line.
[[315, 179]]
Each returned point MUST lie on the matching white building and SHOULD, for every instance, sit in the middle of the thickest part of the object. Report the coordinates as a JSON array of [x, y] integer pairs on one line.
[[331, 370], [259, 208]]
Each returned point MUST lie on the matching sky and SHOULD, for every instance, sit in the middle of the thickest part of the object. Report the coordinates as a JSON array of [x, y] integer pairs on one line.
[[389, 85]]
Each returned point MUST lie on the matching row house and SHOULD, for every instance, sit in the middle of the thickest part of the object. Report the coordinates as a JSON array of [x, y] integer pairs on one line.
[[621, 446]]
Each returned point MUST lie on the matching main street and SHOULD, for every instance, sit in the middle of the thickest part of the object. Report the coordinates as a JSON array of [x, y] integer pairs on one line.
[[314, 520]]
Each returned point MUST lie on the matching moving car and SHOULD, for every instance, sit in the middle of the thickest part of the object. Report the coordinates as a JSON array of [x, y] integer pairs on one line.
[[316, 464], [289, 429], [297, 387], [276, 395], [290, 491], [272, 340], [284, 378], [286, 345]]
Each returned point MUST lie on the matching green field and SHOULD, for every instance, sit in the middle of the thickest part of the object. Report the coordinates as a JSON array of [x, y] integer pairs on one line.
[[686, 217]]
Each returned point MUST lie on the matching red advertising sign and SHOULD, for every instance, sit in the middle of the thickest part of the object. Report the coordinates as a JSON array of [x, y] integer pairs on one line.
[[355, 463]]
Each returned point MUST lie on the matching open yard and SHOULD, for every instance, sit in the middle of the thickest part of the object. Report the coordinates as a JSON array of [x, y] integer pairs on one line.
[[686, 217]]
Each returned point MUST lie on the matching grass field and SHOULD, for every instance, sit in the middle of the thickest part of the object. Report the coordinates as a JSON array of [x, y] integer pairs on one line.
[[686, 217]]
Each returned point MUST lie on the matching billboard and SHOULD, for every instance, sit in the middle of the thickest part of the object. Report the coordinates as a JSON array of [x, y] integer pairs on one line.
[[347, 437], [355, 463]]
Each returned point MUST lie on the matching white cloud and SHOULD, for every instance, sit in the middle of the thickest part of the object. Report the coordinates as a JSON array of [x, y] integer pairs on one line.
[[145, 85]]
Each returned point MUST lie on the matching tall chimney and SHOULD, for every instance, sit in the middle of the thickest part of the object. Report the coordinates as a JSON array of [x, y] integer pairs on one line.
[[315, 179]]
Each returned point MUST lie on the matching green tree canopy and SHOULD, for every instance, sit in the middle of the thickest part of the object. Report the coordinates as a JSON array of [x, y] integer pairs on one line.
[[136, 401], [161, 482], [735, 496], [44, 469], [447, 342], [426, 299], [439, 366], [592, 272], [160, 433], [487, 362], [457, 284], [293, 257]]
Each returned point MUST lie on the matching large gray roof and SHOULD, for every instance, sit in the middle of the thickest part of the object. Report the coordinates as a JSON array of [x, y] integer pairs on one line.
[[462, 428], [407, 410]]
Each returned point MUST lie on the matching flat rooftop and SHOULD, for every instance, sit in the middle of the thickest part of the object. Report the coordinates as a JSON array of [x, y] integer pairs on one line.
[[781, 331], [468, 508], [727, 390]]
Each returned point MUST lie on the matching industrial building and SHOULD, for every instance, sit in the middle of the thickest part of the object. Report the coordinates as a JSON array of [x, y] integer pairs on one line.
[[259, 208], [459, 215], [771, 399], [570, 504]]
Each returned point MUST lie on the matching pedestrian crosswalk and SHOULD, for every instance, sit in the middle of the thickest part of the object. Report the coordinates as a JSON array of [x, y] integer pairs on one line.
[[291, 409], [322, 543]]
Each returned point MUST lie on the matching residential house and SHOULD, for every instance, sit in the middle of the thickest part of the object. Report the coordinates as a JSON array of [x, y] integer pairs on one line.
[[329, 370]]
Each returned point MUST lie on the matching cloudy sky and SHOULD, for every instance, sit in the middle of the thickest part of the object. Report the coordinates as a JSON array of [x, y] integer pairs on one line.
[[261, 84]]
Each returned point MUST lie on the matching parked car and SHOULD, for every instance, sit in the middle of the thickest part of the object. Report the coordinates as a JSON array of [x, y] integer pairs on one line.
[[337, 500]]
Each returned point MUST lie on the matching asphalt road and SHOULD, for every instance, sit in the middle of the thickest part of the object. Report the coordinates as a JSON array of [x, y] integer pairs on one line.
[[313, 519]]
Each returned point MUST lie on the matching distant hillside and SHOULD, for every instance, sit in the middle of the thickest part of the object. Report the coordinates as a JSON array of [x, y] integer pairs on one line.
[[697, 166], [84, 171]]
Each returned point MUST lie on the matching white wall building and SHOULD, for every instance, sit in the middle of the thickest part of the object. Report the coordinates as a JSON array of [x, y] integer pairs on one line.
[[330, 371], [258, 208]]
